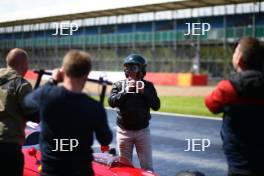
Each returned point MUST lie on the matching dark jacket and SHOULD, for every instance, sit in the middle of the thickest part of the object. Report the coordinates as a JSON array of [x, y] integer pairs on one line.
[[134, 108], [13, 114], [68, 115], [241, 99]]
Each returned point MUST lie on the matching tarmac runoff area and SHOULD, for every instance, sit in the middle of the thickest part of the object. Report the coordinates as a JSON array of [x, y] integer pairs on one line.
[[169, 133]]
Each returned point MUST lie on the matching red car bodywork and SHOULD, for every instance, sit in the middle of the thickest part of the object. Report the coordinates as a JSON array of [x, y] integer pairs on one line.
[[100, 169]]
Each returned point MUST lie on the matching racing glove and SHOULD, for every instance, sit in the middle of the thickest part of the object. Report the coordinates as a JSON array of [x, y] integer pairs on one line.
[[104, 148]]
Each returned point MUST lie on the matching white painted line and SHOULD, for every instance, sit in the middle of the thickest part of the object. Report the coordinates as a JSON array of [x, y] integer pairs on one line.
[[186, 115], [181, 115]]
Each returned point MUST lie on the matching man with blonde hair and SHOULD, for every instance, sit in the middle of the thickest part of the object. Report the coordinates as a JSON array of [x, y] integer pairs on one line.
[[69, 119], [13, 115]]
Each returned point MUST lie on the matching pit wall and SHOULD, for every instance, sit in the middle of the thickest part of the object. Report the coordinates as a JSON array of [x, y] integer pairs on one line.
[[169, 79], [178, 79]]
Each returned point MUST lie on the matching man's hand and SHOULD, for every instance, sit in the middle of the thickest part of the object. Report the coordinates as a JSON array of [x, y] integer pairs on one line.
[[57, 75], [131, 86]]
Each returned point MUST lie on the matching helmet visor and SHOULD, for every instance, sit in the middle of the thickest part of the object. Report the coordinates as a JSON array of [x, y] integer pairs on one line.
[[131, 68]]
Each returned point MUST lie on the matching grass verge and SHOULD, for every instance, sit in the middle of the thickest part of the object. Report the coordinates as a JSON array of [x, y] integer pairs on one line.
[[181, 105], [185, 105]]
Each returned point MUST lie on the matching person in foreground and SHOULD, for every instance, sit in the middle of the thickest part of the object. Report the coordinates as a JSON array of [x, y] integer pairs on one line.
[[134, 111], [69, 118], [241, 99], [13, 114]]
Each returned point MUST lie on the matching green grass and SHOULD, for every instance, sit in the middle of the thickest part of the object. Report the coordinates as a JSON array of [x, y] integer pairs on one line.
[[181, 105], [185, 105]]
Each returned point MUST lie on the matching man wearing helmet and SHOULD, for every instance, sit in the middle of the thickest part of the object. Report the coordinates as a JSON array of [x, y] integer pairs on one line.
[[134, 110]]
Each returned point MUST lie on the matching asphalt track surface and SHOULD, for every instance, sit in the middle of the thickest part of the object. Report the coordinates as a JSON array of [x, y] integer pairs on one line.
[[169, 134]]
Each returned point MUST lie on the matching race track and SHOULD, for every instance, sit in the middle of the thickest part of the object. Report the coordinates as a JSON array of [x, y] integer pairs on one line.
[[169, 134]]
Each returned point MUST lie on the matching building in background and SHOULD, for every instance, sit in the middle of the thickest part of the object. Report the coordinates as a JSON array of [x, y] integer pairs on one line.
[[156, 31]]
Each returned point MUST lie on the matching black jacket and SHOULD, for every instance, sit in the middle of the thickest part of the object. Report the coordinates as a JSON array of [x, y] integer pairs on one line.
[[241, 99], [243, 122], [134, 108], [68, 115]]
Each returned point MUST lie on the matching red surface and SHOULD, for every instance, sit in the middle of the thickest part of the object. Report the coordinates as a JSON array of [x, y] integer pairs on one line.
[[104, 148], [199, 80], [162, 78], [31, 167], [31, 75]]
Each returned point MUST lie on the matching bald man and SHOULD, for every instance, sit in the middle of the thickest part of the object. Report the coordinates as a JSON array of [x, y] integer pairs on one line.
[[13, 115]]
